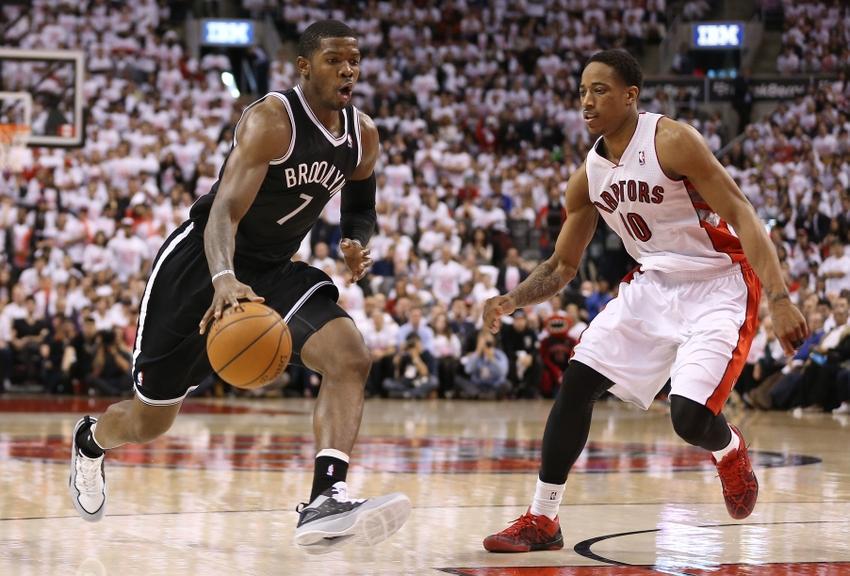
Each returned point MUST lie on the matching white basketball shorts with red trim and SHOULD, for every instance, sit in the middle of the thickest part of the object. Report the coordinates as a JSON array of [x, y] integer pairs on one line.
[[696, 331]]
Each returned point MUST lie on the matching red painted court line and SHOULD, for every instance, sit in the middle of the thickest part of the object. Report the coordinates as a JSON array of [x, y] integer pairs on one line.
[[788, 569], [430, 455], [83, 405]]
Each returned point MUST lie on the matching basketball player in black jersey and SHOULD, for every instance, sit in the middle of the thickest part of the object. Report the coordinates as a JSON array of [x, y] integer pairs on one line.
[[291, 153]]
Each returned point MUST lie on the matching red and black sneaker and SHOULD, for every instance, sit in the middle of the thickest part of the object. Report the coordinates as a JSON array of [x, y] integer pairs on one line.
[[740, 486], [528, 533]]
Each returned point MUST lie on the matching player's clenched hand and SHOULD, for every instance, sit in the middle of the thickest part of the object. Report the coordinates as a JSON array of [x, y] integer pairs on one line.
[[789, 324], [228, 292], [494, 309], [357, 258]]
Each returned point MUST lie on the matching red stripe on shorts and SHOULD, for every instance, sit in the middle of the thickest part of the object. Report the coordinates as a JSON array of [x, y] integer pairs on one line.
[[745, 338]]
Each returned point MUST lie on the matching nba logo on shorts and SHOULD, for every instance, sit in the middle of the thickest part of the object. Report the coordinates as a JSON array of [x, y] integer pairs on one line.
[[331, 470], [641, 158], [553, 495]]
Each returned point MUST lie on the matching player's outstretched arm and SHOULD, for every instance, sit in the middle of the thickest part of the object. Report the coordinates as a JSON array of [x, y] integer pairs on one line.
[[553, 274], [263, 135], [682, 152], [358, 218]]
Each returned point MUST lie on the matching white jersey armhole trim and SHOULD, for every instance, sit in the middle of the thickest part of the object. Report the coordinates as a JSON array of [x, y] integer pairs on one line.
[[356, 114], [655, 153], [241, 116], [285, 101]]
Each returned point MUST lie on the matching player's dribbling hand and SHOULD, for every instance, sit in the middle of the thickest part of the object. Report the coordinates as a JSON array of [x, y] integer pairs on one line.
[[228, 292], [789, 325], [357, 258], [494, 309]]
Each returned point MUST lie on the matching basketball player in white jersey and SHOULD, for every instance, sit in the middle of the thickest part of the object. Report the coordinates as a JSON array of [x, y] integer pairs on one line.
[[688, 313]]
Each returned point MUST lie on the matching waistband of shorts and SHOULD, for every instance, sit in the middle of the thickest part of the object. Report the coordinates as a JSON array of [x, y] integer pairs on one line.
[[699, 275]]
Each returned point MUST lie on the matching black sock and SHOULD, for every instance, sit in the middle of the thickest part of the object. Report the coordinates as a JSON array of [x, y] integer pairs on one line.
[[86, 444], [328, 471], [569, 421]]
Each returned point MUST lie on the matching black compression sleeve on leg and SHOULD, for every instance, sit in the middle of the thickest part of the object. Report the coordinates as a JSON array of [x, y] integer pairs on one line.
[[569, 421], [697, 425]]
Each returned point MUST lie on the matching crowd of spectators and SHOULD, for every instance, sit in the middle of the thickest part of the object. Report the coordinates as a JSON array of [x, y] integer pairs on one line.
[[794, 166], [480, 130], [815, 38]]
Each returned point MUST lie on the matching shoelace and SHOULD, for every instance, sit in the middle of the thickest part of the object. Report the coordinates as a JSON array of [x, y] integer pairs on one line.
[[89, 471], [521, 524], [341, 495], [734, 473]]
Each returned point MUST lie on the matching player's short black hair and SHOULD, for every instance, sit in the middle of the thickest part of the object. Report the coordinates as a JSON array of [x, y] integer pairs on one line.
[[312, 36], [623, 63]]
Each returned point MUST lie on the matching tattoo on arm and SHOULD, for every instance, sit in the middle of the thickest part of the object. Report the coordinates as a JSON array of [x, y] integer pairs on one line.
[[544, 282]]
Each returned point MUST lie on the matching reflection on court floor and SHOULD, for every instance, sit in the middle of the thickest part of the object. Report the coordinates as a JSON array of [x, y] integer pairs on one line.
[[428, 455], [217, 494]]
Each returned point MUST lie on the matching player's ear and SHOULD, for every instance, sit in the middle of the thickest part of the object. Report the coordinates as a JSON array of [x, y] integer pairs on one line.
[[632, 93], [303, 66]]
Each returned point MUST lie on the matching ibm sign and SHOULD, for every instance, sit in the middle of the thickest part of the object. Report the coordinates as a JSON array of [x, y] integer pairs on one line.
[[719, 35], [227, 32]]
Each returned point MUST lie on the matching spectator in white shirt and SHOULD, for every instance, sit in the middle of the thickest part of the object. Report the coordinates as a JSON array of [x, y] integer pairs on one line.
[[381, 336], [30, 278], [788, 62], [445, 276], [127, 251], [836, 269], [321, 257]]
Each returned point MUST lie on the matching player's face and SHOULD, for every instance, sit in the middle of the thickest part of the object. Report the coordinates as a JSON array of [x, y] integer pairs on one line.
[[605, 98], [333, 70]]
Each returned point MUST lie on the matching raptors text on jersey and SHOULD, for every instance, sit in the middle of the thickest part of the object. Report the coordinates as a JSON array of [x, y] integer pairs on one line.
[[663, 223]]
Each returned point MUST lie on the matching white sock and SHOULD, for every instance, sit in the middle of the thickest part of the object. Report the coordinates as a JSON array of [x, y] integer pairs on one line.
[[547, 499], [733, 445], [333, 454]]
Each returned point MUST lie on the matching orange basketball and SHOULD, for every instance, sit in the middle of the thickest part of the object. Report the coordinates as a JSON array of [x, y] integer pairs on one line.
[[249, 348]]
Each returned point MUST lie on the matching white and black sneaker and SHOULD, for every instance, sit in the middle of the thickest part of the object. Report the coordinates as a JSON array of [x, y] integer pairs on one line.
[[333, 519], [87, 483]]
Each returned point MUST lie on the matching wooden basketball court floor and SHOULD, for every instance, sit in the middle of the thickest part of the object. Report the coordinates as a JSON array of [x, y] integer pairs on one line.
[[217, 495]]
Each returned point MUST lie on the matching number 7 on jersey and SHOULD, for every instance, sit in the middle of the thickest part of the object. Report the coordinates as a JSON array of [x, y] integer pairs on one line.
[[307, 199]]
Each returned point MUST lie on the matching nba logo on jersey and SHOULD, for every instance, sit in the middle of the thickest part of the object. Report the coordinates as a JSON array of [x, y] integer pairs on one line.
[[641, 158], [350, 142]]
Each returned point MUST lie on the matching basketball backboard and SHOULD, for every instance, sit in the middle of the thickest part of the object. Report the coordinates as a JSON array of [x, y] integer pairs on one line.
[[43, 89]]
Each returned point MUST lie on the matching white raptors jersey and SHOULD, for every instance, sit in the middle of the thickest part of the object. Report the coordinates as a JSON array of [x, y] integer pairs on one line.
[[664, 223]]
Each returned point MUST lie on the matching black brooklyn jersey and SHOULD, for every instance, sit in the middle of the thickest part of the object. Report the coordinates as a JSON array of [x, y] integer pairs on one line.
[[297, 186]]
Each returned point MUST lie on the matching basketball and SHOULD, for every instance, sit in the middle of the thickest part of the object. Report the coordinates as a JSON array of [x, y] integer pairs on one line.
[[249, 348]]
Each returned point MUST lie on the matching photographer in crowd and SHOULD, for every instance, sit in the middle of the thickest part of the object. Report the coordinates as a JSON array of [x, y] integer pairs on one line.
[[486, 370], [414, 371], [110, 370]]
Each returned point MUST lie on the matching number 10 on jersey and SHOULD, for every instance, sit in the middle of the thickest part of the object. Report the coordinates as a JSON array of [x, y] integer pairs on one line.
[[636, 226]]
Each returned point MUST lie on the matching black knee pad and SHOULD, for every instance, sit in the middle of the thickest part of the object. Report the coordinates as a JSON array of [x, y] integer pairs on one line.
[[581, 383], [691, 420]]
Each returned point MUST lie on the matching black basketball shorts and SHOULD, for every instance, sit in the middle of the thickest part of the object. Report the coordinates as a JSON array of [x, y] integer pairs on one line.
[[169, 355]]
